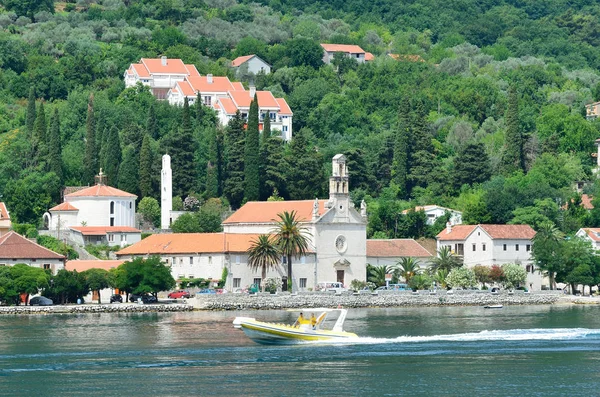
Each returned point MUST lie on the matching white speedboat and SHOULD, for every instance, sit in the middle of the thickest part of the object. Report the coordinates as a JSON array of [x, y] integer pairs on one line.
[[304, 329], [493, 307]]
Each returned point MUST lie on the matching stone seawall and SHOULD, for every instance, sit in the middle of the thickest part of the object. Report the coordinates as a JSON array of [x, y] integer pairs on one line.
[[363, 300], [91, 308]]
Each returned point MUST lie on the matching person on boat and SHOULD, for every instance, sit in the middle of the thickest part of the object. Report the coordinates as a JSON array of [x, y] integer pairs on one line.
[[301, 320], [313, 321]]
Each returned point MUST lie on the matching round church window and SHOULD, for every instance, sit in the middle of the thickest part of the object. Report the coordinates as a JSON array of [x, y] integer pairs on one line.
[[340, 244]]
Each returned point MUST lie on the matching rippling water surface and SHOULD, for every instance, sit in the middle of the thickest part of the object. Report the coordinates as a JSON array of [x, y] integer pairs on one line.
[[450, 351]]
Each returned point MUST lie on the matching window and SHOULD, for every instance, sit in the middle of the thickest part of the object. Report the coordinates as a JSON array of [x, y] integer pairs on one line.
[[303, 260], [257, 281], [503, 247], [237, 259], [46, 266], [191, 260], [474, 247], [302, 283], [111, 237], [210, 260], [272, 115], [181, 261], [130, 205], [180, 276], [483, 247], [174, 260], [262, 116], [112, 221], [237, 282], [284, 260], [112, 207], [33, 260], [123, 238], [516, 247], [285, 128], [191, 276], [207, 100], [528, 247], [2, 264]]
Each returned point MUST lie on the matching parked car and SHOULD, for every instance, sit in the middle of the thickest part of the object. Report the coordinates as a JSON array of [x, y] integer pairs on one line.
[[207, 291], [394, 287], [145, 298], [329, 286], [116, 298], [40, 301], [179, 294]]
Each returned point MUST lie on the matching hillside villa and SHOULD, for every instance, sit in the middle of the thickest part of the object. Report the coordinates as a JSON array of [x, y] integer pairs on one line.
[[15, 249], [250, 64]]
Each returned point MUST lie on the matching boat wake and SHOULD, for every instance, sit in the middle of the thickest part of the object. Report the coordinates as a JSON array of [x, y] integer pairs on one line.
[[494, 335]]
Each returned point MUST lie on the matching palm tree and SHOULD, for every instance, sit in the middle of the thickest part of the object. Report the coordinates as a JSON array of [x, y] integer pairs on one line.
[[440, 278], [445, 260], [407, 268], [376, 274], [546, 249], [292, 240], [263, 254]]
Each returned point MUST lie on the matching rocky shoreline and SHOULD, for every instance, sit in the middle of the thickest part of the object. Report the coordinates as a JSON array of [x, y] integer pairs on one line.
[[364, 300], [311, 299], [93, 308]]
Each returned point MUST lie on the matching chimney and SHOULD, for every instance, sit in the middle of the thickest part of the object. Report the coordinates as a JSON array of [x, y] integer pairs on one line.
[[163, 61], [448, 227], [252, 91], [209, 78]]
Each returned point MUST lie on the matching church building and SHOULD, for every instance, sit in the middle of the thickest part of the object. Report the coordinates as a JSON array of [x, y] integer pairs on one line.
[[98, 214], [337, 233]]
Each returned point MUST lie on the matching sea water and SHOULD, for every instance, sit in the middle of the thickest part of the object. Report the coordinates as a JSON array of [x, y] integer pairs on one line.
[[442, 351]]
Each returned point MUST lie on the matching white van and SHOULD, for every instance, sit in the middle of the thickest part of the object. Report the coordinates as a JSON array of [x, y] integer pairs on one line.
[[335, 286]]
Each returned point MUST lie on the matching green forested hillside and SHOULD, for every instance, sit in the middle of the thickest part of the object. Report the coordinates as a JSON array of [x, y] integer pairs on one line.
[[491, 122]]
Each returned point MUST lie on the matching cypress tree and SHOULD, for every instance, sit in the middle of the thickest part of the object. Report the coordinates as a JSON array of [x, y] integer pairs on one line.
[[251, 156], [31, 115], [54, 147], [400, 165], [181, 146], [212, 178], [233, 187], [129, 171], [273, 163], [91, 154], [151, 127], [265, 191], [304, 171], [219, 159], [513, 157], [471, 165], [422, 160], [113, 157], [39, 135], [99, 134], [146, 167]]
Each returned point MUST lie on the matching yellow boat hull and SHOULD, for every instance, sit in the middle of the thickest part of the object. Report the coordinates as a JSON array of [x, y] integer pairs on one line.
[[271, 333]]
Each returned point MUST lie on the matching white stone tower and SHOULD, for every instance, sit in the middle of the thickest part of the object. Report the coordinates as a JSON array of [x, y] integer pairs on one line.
[[166, 192], [338, 186]]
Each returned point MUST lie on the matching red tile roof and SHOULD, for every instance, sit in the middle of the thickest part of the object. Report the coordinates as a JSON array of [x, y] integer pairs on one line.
[[227, 105], [369, 56], [190, 243], [458, 232], [237, 86], [3, 211], [140, 70], [396, 248], [173, 66], [284, 108], [242, 99], [100, 191], [185, 88], [102, 230], [349, 48], [240, 60], [502, 232], [586, 201], [266, 211], [192, 71], [15, 246], [83, 265], [66, 206], [219, 84]]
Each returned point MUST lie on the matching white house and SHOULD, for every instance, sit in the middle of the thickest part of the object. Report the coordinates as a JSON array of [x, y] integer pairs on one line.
[[15, 249], [250, 64], [5, 223], [337, 235], [493, 245], [96, 209], [350, 50], [434, 211], [382, 252], [592, 110], [210, 88], [591, 234], [160, 74], [83, 265]]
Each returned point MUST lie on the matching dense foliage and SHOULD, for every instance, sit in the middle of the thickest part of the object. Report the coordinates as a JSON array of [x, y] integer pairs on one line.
[[483, 111]]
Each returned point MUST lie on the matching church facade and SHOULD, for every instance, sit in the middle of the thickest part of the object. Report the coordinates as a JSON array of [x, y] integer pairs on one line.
[[337, 234]]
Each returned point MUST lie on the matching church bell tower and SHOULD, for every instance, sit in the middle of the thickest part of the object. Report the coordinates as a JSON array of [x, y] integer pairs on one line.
[[338, 186]]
